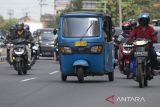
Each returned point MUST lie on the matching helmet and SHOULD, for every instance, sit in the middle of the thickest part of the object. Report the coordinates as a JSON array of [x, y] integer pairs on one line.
[[26, 27], [126, 27], [12, 28], [144, 19], [133, 23], [20, 26]]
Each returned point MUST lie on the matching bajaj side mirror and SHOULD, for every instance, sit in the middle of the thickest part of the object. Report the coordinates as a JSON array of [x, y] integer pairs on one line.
[[55, 31]]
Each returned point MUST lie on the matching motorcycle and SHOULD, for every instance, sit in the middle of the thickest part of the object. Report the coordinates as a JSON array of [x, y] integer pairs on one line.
[[20, 56], [126, 50], [125, 56], [35, 51], [9, 46], [143, 68], [56, 53]]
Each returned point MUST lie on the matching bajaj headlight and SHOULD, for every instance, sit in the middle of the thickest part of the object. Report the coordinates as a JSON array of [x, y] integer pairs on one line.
[[66, 50], [96, 49]]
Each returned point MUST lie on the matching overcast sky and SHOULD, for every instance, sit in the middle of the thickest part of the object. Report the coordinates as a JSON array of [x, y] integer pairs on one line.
[[20, 7]]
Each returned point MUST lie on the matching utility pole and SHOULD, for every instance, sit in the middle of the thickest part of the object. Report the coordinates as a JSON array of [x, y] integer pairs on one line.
[[26, 11], [105, 6], [10, 13], [120, 12], [41, 6]]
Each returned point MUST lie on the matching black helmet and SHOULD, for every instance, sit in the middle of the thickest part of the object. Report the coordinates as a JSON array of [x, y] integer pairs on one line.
[[133, 22], [20, 26], [26, 27], [12, 28], [144, 19]]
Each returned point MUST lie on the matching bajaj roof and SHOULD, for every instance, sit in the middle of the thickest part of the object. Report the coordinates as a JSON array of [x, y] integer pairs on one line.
[[85, 13]]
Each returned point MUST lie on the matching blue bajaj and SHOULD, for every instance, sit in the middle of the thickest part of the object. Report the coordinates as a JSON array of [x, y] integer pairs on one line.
[[85, 45]]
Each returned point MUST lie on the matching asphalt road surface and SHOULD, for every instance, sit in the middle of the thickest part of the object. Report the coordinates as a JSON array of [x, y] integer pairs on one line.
[[42, 87]]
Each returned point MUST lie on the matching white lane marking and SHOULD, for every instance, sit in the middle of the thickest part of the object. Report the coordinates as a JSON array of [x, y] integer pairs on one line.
[[28, 79], [53, 72]]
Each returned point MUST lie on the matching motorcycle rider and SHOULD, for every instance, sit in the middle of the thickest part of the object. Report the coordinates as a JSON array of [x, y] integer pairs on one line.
[[126, 30], [55, 43], [9, 37], [133, 23], [24, 33], [28, 32], [144, 30]]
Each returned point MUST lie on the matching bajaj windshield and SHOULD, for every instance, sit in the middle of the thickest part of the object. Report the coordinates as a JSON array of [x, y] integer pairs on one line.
[[80, 27]]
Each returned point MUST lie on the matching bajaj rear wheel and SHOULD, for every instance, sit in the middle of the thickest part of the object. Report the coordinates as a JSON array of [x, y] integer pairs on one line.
[[63, 77], [111, 76]]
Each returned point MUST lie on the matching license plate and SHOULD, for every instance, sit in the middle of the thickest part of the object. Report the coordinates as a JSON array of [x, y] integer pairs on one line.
[[80, 43], [141, 53]]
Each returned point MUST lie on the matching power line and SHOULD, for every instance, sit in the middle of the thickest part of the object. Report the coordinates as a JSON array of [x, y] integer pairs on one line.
[[10, 13], [41, 3]]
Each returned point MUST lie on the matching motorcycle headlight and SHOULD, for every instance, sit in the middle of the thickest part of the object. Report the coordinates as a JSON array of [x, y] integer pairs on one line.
[[139, 43], [19, 51], [35, 48], [66, 50], [126, 51], [52, 44], [96, 49]]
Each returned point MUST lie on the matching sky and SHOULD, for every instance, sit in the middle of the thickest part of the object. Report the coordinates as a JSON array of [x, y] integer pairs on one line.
[[20, 7]]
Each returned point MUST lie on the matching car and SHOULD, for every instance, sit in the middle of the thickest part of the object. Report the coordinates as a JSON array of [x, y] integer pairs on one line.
[[157, 45], [46, 42]]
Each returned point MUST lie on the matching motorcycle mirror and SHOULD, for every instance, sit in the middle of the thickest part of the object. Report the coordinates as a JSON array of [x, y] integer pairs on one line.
[[113, 31], [154, 33], [35, 33]]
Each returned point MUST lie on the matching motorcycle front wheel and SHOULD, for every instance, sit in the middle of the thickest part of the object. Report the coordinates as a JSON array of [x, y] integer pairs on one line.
[[140, 75], [18, 67]]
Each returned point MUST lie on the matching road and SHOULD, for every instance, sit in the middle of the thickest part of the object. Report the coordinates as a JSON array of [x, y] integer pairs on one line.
[[42, 87]]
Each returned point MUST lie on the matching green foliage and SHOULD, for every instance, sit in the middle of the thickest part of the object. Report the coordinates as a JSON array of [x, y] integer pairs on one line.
[[130, 9], [5, 24], [75, 5]]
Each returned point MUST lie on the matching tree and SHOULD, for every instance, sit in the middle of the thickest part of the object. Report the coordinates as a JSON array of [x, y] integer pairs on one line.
[[5, 24], [75, 5], [111, 9]]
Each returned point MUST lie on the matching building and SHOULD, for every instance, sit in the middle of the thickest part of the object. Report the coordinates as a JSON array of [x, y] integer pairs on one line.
[[60, 5], [89, 5]]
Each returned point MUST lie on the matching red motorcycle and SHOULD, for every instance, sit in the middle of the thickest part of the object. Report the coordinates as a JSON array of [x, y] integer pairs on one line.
[[125, 52]]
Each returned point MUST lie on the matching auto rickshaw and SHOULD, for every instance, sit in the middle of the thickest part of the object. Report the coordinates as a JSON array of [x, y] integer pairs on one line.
[[85, 45]]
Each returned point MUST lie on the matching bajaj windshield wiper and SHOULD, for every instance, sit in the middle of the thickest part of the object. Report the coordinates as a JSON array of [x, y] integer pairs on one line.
[[86, 31]]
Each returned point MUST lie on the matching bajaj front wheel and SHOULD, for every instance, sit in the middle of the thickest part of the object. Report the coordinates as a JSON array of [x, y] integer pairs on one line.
[[80, 74]]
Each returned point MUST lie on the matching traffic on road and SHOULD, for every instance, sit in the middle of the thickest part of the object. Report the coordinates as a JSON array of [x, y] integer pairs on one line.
[[83, 61]]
